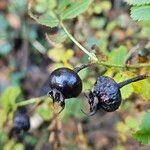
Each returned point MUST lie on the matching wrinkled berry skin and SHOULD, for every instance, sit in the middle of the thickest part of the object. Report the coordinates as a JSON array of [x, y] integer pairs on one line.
[[21, 121], [66, 81], [108, 93]]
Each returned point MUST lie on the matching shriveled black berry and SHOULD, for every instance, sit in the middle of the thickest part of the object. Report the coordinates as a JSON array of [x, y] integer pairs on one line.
[[108, 93], [105, 95], [21, 121], [64, 83]]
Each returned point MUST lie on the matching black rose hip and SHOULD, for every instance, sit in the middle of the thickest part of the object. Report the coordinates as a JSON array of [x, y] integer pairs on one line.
[[65, 83], [106, 93], [21, 121]]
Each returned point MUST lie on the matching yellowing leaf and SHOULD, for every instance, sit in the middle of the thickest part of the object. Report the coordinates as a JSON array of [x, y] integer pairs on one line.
[[56, 53], [121, 127], [9, 145], [68, 54], [18, 146], [101, 6], [8, 98], [127, 90], [142, 88], [61, 55], [122, 130], [3, 119]]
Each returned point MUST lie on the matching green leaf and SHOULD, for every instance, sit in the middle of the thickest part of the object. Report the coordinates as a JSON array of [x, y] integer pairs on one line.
[[139, 2], [140, 13], [44, 5], [131, 123], [45, 113], [9, 96], [62, 5], [145, 32], [143, 137], [18, 146], [143, 134], [58, 38], [48, 19], [3, 138], [75, 9], [84, 73], [117, 56], [73, 108], [16, 6]]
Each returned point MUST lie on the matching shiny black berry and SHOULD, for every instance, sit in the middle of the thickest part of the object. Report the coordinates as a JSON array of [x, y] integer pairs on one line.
[[64, 83], [21, 121]]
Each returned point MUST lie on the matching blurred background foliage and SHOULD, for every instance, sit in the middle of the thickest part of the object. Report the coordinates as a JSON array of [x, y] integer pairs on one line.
[[29, 52]]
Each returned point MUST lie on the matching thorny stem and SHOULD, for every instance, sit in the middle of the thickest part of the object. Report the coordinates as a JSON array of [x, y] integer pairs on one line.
[[92, 56], [107, 64], [134, 79]]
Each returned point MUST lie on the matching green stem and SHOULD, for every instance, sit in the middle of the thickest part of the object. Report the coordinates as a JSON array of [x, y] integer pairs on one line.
[[136, 66], [92, 56], [30, 101], [101, 62], [106, 64]]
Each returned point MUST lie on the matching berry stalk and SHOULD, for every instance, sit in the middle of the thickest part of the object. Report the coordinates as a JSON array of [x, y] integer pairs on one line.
[[81, 67], [134, 79]]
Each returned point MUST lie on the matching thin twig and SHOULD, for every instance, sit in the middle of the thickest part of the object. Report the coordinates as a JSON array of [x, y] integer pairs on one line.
[[31, 101], [107, 64], [136, 66], [92, 56]]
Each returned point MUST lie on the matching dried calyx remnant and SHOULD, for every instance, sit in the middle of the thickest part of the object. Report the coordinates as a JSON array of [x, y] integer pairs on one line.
[[106, 93]]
